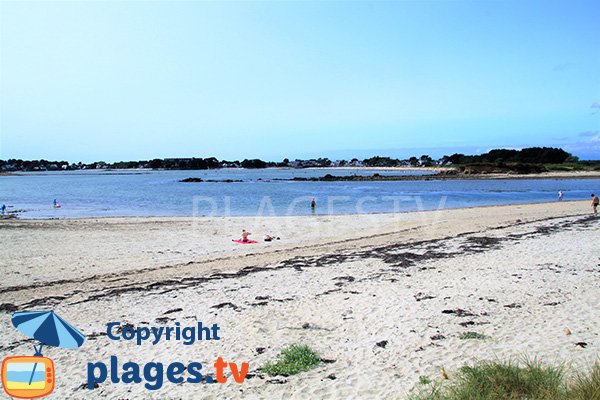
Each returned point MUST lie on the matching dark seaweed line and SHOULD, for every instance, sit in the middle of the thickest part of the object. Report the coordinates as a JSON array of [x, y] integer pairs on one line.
[[388, 254], [163, 267]]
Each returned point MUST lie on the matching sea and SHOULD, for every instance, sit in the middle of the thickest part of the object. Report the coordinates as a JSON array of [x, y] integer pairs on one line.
[[262, 192]]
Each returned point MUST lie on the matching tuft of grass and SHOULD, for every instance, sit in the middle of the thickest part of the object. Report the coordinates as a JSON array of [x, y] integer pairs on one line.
[[473, 335], [293, 359], [509, 381], [585, 386], [497, 380], [566, 167], [424, 380]]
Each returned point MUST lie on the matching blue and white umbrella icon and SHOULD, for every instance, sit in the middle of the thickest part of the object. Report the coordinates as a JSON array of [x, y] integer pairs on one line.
[[49, 329]]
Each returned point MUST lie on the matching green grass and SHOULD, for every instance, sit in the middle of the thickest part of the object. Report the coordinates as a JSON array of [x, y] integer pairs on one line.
[[293, 359], [424, 380], [510, 381], [472, 335], [585, 386], [579, 166], [566, 167]]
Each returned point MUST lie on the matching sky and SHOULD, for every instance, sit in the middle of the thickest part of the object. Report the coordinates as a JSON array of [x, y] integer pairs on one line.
[[135, 80]]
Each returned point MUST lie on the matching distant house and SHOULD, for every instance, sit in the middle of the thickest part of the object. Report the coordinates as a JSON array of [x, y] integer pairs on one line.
[[355, 163], [176, 160]]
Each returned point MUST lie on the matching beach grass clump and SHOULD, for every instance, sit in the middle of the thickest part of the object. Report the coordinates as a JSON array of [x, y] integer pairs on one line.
[[585, 386], [508, 381], [497, 380], [292, 360], [472, 335], [565, 167]]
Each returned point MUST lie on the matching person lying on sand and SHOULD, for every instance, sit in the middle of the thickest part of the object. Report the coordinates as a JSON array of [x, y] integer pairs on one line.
[[269, 238], [245, 235]]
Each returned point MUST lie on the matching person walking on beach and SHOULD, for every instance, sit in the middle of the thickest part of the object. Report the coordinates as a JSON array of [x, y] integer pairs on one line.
[[560, 195], [595, 202], [313, 204]]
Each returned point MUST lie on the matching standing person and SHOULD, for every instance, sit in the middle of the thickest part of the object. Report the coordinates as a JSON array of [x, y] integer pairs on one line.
[[560, 195], [313, 203], [595, 202], [3, 209]]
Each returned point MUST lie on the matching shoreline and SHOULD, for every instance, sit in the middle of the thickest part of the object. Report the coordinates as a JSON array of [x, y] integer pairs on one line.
[[442, 173], [444, 177], [242, 217], [145, 170]]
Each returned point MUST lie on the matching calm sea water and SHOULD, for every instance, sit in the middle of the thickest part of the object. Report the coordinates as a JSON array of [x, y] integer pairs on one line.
[[158, 193]]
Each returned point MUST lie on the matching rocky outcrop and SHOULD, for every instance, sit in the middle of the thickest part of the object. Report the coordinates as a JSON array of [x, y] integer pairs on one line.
[[191, 180], [210, 180]]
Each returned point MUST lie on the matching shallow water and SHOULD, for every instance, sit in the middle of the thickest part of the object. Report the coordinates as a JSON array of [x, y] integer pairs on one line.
[[158, 193]]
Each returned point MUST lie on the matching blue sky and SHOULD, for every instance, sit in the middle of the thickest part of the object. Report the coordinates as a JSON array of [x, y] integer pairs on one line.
[[105, 80]]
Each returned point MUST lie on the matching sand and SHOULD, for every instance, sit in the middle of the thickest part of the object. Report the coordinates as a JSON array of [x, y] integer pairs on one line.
[[383, 297]]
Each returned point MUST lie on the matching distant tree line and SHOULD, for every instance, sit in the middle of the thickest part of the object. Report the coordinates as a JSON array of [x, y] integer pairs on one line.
[[159, 163], [423, 161], [532, 155]]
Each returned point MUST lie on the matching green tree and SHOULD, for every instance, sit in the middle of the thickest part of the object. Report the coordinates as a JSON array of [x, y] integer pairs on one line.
[[156, 163]]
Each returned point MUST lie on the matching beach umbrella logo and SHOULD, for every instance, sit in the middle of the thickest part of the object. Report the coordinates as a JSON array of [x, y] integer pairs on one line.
[[29, 377]]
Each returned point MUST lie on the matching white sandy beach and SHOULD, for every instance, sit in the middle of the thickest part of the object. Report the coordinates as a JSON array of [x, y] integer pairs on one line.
[[342, 284]]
